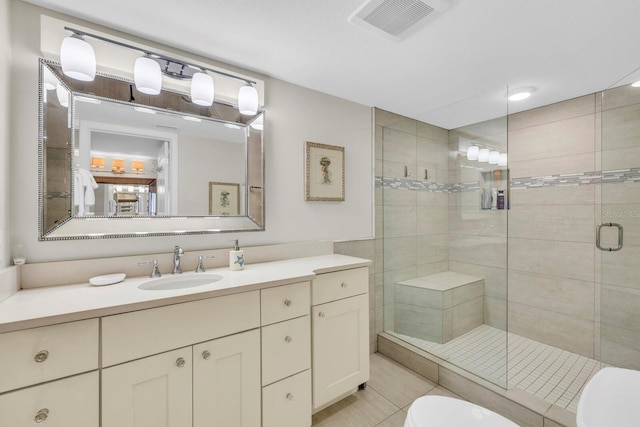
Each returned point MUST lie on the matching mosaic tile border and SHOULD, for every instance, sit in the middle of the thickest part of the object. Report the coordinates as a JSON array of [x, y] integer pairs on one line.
[[619, 176]]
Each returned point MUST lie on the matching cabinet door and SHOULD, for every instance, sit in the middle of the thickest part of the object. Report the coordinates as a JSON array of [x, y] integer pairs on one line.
[[287, 403], [150, 392], [72, 402], [226, 381], [340, 339]]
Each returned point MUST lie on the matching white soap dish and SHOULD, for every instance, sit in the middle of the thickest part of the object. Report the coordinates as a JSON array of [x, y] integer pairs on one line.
[[108, 279]]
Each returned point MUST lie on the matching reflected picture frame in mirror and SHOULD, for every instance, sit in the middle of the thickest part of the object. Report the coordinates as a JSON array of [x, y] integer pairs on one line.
[[81, 135]]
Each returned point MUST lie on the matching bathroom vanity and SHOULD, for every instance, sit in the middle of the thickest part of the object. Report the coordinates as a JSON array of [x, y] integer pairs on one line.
[[267, 346]]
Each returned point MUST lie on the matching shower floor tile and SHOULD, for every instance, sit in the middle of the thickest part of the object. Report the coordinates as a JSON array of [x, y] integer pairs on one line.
[[555, 375]]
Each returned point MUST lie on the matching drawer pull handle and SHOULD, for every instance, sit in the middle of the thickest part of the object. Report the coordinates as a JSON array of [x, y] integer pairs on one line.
[[288, 339], [289, 396], [343, 284], [41, 356], [321, 314], [287, 302], [206, 355], [41, 416], [180, 362]]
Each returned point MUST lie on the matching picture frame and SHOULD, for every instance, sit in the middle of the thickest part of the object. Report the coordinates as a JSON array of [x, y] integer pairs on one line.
[[324, 172], [224, 198]]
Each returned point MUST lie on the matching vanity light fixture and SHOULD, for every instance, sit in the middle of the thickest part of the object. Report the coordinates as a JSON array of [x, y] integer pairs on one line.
[[97, 162], [117, 166], [520, 93], [149, 68], [483, 155], [472, 152], [147, 76], [202, 89], [77, 58], [502, 161], [137, 166], [494, 157], [63, 95], [248, 100]]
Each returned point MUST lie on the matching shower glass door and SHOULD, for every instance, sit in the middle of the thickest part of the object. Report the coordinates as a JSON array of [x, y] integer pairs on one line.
[[618, 234]]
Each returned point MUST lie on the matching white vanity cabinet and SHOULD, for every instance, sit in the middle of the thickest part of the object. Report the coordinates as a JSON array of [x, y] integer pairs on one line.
[[340, 331], [211, 382], [49, 376], [286, 356]]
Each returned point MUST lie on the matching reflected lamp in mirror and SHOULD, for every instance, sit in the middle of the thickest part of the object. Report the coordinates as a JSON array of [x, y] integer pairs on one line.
[[97, 162], [137, 166], [117, 166]]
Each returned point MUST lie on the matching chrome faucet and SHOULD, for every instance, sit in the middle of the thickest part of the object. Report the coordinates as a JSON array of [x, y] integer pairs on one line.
[[178, 253]]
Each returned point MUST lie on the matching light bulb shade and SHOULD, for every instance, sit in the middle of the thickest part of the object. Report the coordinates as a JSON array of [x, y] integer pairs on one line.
[[63, 95], [483, 155], [147, 76], [78, 59], [494, 156], [117, 166], [248, 100], [202, 90], [97, 162], [137, 166], [503, 159], [472, 152]]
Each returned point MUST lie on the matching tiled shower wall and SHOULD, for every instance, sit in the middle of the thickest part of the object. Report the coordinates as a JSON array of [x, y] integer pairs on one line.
[[557, 279]]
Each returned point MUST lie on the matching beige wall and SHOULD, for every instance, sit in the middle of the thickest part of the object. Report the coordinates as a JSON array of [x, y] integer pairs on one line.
[[294, 115], [5, 97]]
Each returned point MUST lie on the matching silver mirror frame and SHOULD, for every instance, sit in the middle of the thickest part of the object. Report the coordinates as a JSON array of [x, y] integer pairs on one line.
[[73, 228]]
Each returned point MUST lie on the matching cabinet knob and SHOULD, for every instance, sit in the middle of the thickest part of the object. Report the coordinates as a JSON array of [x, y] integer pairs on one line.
[[289, 396], [343, 285], [180, 362], [321, 314], [287, 302], [206, 355], [41, 416], [288, 339], [41, 356]]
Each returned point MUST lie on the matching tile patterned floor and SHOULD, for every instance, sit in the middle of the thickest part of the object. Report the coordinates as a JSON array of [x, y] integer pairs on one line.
[[555, 375], [384, 403]]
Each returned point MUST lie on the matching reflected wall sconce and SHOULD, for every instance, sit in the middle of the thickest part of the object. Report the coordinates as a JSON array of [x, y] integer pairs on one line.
[[502, 161], [97, 162], [117, 166], [472, 152], [63, 95], [483, 155], [494, 156], [137, 166], [149, 68], [77, 58]]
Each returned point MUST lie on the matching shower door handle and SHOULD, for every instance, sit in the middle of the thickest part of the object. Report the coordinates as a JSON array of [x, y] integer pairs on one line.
[[620, 236]]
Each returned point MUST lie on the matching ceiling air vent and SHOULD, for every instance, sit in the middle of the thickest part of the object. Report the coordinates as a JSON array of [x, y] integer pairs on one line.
[[396, 19]]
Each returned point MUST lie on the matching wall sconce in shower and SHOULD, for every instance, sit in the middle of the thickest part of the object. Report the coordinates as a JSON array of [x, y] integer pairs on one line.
[[97, 162], [79, 62]]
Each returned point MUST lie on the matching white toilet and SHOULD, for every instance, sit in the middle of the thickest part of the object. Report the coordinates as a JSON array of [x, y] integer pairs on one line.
[[441, 411]]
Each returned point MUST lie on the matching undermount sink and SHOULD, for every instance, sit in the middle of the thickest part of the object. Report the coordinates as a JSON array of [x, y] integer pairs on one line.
[[179, 282], [610, 398]]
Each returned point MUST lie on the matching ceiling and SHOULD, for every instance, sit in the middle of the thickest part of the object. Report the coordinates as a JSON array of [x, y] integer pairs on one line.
[[453, 71]]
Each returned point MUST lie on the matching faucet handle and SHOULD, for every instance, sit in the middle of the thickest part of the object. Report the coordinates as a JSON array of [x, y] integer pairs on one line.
[[200, 267], [155, 272]]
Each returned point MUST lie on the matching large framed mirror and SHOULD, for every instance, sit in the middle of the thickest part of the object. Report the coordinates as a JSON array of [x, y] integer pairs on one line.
[[114, 162]]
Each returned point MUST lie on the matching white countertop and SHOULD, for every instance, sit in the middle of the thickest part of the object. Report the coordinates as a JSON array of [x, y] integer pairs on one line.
[[30, 308]]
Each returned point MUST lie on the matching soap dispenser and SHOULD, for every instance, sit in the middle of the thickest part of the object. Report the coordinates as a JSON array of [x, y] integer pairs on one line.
[[236, 258]]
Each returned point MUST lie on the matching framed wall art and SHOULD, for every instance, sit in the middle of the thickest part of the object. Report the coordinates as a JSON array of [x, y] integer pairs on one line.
[[224, 198], [324, 172]]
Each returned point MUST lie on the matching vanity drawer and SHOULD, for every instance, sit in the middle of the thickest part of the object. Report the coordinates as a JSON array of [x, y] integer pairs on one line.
[[340, 284], [287, 403], [42, 354], [71, 402], [285, 302], [143, 333], [286, 349]]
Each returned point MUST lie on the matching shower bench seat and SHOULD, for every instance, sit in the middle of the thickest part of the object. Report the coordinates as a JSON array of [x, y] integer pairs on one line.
[[439, 307]]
